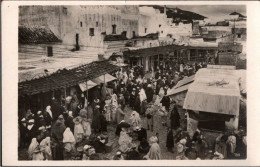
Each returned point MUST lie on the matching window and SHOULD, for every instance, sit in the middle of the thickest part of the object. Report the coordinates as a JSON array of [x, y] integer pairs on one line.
[[96, 23], [160, 25], [238, 35], [133, 34], [114, 29], [81, 24], [91, 32], [65, 10], [50, 52], [162, 32], [145, 30]]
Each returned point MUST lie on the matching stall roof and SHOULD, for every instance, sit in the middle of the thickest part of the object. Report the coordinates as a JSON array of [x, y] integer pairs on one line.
[[101, 79], [153, 50], [181, 86], [65, 78], [214, 91], [87, 85], [178, 90], [185, 81]]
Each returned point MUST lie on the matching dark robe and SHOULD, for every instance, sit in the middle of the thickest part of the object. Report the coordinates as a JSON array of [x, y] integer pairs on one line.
[[96, 120], [56, 110], [99, 147], [175, 118], [96, 94], [195, 136], [47, 118], [157, 74], [57, 136], [103, 123], [32, 133], [24, 134], [144, 147], [132, 100], [166, 102], [118, 129], [240, 147], [69, 123], [170, 140], [126, 96], [142, 134], [137, 104], [149, 94], [133, 155]]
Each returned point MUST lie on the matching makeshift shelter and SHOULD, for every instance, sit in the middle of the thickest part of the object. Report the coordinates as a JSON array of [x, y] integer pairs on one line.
[[84, 86], [179, 91], [213, 100], [214, 91], [103, 79]]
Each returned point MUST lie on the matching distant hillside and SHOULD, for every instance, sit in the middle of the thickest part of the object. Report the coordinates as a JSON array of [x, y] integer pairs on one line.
[[178, 14]]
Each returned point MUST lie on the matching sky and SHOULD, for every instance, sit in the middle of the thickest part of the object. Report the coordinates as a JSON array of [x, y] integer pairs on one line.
[[213, 11]]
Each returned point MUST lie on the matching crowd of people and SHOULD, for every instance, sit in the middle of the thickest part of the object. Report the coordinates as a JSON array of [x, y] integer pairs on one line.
[[77, 129]]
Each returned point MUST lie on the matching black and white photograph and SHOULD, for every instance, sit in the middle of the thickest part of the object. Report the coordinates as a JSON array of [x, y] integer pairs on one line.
[[132, 82]]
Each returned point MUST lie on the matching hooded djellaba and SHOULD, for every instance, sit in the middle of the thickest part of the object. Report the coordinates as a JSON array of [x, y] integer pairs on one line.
[[57, 136], [155, 150], [149, 93], [96, 119], [69, 143], [135, 119]]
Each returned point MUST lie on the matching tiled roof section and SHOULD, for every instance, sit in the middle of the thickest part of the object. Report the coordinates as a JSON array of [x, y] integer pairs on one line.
[[36, 35], [65, 78]]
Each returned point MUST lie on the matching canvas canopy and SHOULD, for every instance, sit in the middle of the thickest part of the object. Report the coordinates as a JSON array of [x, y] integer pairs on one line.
[[87, 85], [102, 79], [175, 91], [185, 81], [214, 91]]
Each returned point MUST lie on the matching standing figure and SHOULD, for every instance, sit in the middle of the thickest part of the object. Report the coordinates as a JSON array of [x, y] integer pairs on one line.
[[120, 115], [69, 144], [170, 140], [155, 150], [149, 93], [78, 129], [149, 116], [107, 109], [96, 119], [175, 117], [135, 119]]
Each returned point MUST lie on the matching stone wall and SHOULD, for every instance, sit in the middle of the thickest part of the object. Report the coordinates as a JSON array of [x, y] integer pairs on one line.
[[67, 21]]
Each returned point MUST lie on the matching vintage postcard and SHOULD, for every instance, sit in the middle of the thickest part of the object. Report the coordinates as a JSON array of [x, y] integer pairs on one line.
[[148, 83]]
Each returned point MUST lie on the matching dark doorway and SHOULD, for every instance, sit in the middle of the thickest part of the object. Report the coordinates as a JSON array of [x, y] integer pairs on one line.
[[77, 41], [133, 34], [114, 29], [50, 51]]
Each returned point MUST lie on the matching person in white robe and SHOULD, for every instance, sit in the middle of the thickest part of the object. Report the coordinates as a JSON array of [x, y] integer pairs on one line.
[[155, 150], [69, 143], [135, 119], [78, 129], [34, 151], [142, 95]]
